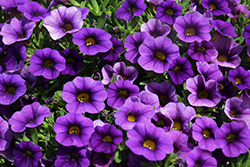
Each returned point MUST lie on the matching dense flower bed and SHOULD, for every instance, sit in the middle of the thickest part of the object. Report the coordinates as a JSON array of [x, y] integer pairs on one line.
[[124, 83]]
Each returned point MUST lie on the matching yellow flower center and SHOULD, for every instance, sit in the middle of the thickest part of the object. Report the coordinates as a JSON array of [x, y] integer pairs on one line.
[[29, 153], [201, 49], [74, 130], [238, 80], [48, 63], [160, 56], [68, 27], [169, 12], [222, 87], [11, 90], [90, 41], [177, 126], [123, 93], [133, 9], [212, 6], [203, 94], [177, 69], [232, 113], [149, 144], [222, 58], [131, 118], [190, 31], [163, 100], [70, 60], [160, 123], [230, 137], [123, 77], [206, 133], [107, 138], [83, 97]]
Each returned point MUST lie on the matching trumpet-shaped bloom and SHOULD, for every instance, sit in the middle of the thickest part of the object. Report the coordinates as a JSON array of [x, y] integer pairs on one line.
[[216, 7], [5, 135], [224, 28], [240, 77]]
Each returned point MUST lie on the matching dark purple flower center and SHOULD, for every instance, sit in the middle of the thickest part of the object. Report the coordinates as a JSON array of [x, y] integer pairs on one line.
[[177, 126], [222, 58], [74, 156], [48, 63], [190, 31], [203, 94], [131, 118], [177, 69], [123, 77], [169, 12], [160, 56], [163, 100], [83, 97], [160, 123], [133, 8], [70, 60], [29, 153], [123, 93], [230, 137], [67, 27], [11, 90], [212, 6], [149, 144], [90, 41], [74, 130], [233, 113], [107, 138], [206, 133], [222, 87], [107, 156], [201, 49]]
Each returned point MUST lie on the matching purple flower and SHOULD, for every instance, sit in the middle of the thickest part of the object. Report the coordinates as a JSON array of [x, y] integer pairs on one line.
[[84, 94], [233, 138], [27, 154], [203, 93], [163, 121], [245, 96], [10, 6], [114, 52], [149, 141], [132, 43], [168, 11], [180, 114], [30, 116], [92, 40], [240, 77], [203, 132], [180, 70], [130, 8], [192, 27], [198, 157], [216, 7], [101, 159], [118, 72], [11, 88], [72, 156], [47, 63], [74, 61], [119, 91], [155, 28], [157, 54], [33, 11], [132, 113], [63, 21], [209, 71], [17, 30], [226, 88], [106, 138], [5, 135], [246, 34], [224, 28], [236, 10], [73, 129], [155, 2], [202, 51]]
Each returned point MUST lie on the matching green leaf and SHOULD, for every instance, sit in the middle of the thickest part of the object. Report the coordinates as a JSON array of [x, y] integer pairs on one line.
[[118, 158], [96, 8], [101, 21], [34, 135], [105, 3], [75, 3]]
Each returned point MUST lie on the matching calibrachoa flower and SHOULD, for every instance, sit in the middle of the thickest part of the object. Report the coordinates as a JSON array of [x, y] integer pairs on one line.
[[5, 135], [203, 132], [119, 91], [72, 156], [132, 43], [198, 157], [106, 138], [11, 88], [202, 51], [240, 77], [100, 159], [224, 28], [74, 61], [136, 160], [168, 11], [30, 116], [10, 6], [149, 141], [130, 8], [73, 129], [132, 113], [209, 71], [192, 27], [47, 63], [217, 7], [63, 21], [157, 54], [155, 28], [226, 88], [92, 40], [233, 138], [163, 121], [180, 70], [246, 34], [17, 30], [84, 94], [27, 154], [203, 93]]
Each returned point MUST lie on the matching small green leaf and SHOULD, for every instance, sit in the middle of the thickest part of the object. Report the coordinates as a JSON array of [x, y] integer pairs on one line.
[[101, 21], [34, 135], [75, 3], [118, 158]]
